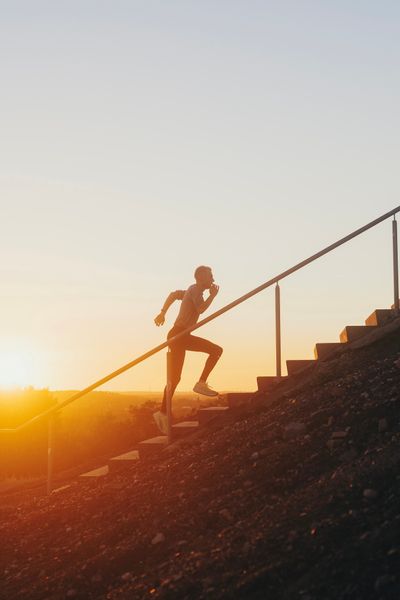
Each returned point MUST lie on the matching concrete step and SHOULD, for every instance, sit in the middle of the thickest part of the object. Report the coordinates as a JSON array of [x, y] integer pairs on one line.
[[323, 350], [234, 399], [380, 316], [179, 430], [95, 474], [123, 460], [61, 489], [354, 332], [152, 446], [211, 412], [266, 383], [295, 366]]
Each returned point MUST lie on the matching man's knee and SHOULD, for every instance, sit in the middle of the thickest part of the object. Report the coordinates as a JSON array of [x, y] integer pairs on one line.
[[217, 351]]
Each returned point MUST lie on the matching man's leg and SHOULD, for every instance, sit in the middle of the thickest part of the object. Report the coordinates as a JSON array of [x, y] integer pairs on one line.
[[177, 360], [197, 344], [176, 365]]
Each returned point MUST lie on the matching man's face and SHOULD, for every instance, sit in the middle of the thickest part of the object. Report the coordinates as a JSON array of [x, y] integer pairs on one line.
[[207, 279]]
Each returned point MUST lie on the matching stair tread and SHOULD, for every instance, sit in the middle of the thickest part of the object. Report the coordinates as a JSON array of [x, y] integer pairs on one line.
[[207, 414], [300, 360], [186, 424], [297, 365], [236, 399], [267, 383], [159, 440], [358, 327], [323, 349], [379, 316], [131, 455], [214, 409], [99, 472], [239, 395], [352, 332], [61, 489]]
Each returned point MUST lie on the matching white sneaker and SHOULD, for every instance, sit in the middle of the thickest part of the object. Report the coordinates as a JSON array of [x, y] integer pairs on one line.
[[202, 387], [161, 421]]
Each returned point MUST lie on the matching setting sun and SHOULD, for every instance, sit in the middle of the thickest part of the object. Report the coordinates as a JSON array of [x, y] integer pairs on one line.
[[16, 368]]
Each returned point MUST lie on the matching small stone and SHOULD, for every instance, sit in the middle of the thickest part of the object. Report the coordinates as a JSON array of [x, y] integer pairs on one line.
[[226, 514], [330, 421], [349, 455], [72, 593], [97, 578], [158, 539], [370, 494], [293, 430], [334, 443], [248, 483], [126, 576], [254, 456], [338, 435], [382, 582], [382, 425]]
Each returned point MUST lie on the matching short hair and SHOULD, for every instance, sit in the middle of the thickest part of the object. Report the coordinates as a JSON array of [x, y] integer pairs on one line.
[[201, 270]]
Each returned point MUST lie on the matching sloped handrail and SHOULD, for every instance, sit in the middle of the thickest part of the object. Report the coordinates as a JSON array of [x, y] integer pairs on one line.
[[213, 316]]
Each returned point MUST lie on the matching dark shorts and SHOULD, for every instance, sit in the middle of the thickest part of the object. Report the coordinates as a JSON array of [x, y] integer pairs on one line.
[[187, 342]]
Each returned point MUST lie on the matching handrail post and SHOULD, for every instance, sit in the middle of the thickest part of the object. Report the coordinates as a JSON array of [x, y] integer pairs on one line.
[[169, 403], [50, 453], [395, 266], [278, 330]]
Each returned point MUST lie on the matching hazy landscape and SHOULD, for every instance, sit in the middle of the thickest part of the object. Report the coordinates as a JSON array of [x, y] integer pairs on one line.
[[96, 426]]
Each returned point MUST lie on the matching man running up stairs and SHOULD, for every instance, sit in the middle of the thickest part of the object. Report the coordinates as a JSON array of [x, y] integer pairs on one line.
[[193, 305]]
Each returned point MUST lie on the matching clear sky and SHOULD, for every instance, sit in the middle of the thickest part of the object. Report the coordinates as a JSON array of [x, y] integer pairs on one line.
[[140, 139]]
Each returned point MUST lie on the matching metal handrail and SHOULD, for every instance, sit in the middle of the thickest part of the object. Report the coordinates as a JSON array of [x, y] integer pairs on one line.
[[213, 316]]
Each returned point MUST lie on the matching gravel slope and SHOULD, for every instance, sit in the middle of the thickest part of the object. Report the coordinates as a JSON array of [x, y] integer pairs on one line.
[[298, 497]]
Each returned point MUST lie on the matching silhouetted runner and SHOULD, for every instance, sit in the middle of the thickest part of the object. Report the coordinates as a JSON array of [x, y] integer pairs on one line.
[[193, 304]]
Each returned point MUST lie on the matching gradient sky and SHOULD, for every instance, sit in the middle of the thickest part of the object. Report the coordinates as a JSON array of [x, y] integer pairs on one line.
[[141, 139]]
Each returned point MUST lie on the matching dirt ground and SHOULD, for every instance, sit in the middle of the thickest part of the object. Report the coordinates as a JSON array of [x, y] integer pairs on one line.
[[296, 496]]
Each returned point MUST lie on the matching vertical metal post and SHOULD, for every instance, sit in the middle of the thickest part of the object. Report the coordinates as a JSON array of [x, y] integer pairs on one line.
[[169, 403], [395, 266], [50, 453], [278, 330]]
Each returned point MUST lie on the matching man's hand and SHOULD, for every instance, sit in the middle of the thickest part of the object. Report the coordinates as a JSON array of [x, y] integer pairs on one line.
[[160, 319], [214, 289]]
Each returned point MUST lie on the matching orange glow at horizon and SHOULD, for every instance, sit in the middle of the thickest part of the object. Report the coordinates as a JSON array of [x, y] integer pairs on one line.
[[17, 368]]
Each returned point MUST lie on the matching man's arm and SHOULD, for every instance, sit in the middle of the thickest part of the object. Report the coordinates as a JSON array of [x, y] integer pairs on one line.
[[177, 295], [213, 292]]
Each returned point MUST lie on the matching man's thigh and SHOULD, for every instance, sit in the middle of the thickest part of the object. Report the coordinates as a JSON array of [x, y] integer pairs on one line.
[[198, 344]]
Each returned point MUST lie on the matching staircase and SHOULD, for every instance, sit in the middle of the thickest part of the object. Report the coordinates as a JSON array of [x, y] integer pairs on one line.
[[265, 385]]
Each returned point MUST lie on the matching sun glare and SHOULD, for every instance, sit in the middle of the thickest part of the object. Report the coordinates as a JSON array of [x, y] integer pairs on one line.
[[16, 368]]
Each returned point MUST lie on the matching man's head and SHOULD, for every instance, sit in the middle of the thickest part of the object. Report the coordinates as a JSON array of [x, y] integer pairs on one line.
[[204, 277]]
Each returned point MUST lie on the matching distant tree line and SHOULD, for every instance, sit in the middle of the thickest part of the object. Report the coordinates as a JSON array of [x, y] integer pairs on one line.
[[78, 440]]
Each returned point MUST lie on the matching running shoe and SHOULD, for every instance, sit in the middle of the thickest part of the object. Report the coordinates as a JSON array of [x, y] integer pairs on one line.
[[203, 388], [161, 421]]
